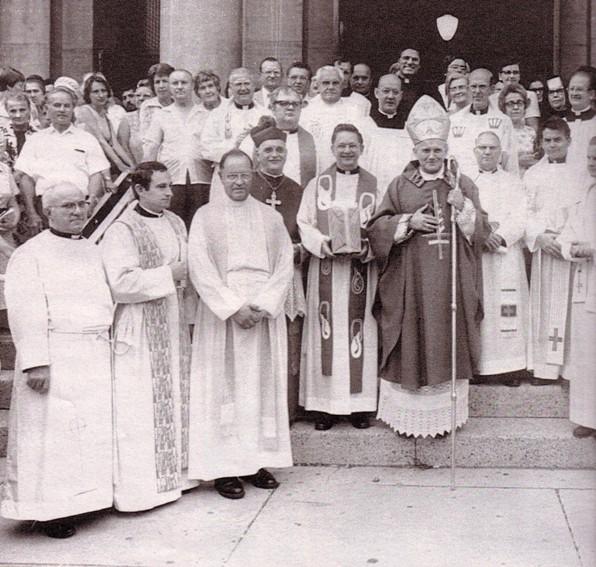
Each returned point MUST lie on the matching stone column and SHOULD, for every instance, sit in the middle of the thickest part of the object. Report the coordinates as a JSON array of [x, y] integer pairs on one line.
[[197, 34], [272, 29], [25, 35], [72, 38], [577, 35], [321, 23]]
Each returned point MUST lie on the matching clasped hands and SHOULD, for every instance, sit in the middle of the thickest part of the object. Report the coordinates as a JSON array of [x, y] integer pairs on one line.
[[547, 242], [249, 315], [582, 250], [328, 253]]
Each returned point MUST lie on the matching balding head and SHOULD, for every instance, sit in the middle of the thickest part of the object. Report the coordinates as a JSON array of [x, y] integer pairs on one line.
[[329, 81], [389, 93], [241, 86], [479, 85], [66, 207], [361, 79]]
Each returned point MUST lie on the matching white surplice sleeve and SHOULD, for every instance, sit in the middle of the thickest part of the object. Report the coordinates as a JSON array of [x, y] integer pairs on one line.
[[205, 276], [312, 238], [27, 310], [129, 282], [272, 296]]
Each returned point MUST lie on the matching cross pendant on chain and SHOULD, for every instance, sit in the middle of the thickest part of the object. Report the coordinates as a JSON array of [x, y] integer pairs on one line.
[[273, 201]]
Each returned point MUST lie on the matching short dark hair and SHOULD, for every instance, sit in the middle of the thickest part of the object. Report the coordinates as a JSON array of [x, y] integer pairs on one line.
[[271, 60], [509, 61], [346, 128], [204, 76], [159, 69], [300, 65], [36, 79], [555, 123], [94, 78], [235, 152], [143, 173], [9, 77]]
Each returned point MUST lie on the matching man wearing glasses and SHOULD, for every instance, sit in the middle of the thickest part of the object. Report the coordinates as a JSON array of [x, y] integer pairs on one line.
[[301, 161], [556, 104], [510, 74], [60, 426], [581, 117]]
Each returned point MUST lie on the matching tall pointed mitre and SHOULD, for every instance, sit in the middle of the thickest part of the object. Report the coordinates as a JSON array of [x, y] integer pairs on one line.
[[427, 121]]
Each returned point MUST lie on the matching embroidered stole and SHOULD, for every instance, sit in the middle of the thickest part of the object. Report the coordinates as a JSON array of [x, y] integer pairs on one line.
[[160, 351], [366, 200]]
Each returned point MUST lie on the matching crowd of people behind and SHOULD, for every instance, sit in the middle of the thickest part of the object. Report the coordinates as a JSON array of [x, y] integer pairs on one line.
[[282, 229]]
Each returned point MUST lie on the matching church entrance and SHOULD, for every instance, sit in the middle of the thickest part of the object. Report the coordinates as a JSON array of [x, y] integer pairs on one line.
[[375, 31], [125, 40]]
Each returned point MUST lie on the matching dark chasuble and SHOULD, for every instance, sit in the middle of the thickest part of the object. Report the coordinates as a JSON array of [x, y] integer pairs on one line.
[[366, 202], [413, 303]]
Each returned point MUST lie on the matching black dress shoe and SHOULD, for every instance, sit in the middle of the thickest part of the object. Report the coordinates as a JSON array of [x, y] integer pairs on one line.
[[512, 382], [542, 382], [229, 487], [582, 432], [360, 420], [59, 530], [323, 421], [262, 479]]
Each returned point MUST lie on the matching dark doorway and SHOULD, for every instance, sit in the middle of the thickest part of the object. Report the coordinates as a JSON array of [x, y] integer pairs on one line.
[[375, 31], [125, 40]]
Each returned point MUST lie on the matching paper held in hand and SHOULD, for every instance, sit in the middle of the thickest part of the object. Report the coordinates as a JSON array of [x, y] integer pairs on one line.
[[344, 229]]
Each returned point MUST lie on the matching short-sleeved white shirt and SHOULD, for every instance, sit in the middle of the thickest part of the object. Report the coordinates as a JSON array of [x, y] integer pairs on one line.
[[49, 156]]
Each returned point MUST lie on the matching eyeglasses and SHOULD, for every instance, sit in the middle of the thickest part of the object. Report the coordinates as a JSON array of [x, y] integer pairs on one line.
[[288, 103], [536, 89], [509, 72], [556, 91], [514, 103], [72, 206]]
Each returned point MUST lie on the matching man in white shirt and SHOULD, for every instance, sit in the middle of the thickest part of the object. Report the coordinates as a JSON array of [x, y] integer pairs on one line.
[[271, 75], [61, 152], [173, 138]]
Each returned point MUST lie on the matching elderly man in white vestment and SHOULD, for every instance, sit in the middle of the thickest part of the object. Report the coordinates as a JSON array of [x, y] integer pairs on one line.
[[144, 256], [504, 329], [578, 244], [479, 116], [241, 264], [59, 461], [553, 186], [327, 110]]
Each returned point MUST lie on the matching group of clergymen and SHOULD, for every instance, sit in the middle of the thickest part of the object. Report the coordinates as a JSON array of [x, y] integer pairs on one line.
[[153, 361]]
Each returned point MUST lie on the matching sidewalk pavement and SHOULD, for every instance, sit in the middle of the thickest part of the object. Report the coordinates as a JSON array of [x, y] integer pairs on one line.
[[344, 517]]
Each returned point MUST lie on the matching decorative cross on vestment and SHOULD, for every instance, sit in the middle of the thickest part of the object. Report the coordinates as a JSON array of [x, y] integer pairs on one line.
[[440, 237], [273, 200], [555, 339]]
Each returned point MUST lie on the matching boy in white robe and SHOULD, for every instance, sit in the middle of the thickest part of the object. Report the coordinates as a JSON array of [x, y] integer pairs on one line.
[[241, 264], [59, 461]]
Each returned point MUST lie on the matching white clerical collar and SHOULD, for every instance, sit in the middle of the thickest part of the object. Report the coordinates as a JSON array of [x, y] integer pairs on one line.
[[387, 115], [147, 213], [432, 176], [580, 112], [354, 171]]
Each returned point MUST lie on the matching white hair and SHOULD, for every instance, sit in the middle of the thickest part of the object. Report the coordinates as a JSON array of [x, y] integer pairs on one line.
[[53, 193], [324, 68]]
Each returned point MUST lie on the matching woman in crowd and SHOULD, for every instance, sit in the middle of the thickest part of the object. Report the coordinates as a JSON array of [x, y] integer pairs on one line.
[[456, 87], [513, 101], [93, 117]]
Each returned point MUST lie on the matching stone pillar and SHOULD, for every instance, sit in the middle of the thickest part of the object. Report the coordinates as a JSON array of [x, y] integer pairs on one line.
[[25, 35], [321, 32], [72, 38], [197, 34], [272, 29], [576, 35]]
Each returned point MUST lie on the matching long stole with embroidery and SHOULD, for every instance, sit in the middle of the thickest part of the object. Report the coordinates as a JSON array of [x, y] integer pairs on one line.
[[366, 200], [160, 352]]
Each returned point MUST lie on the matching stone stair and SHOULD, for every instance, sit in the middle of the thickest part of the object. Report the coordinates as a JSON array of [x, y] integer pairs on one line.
[[525, 427]]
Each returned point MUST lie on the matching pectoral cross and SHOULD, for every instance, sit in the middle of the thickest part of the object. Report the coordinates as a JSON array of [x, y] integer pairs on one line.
[[439, 238], [555, 339], [273, 201]]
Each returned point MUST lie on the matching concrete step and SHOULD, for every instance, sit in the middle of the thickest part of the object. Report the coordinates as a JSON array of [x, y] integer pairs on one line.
[[5, 388], [482, 442], [488, 400]]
